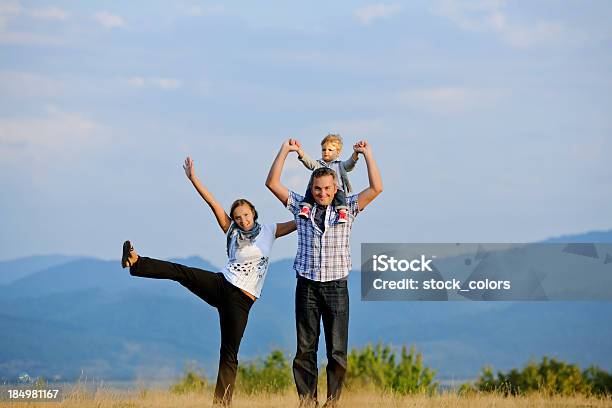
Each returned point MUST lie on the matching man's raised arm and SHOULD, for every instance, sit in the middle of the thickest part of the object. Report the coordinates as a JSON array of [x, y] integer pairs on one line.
[[376, 187], [273, 182]]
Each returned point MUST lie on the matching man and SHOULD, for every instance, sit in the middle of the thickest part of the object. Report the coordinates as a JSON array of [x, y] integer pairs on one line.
[[322, 264]]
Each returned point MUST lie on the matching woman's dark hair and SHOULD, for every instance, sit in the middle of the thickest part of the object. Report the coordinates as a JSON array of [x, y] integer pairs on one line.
[[238, 203]]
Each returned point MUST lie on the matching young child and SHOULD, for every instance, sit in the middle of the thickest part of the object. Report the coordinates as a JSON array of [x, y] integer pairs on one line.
[[331, 146]]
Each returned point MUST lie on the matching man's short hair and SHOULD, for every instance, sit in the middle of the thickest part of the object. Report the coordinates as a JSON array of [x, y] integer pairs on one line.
[[322, 172]]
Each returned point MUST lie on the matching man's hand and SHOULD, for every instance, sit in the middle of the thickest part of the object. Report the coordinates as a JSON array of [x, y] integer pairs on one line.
[[292, 145], [189, 168], [362, 147], [299, 150]]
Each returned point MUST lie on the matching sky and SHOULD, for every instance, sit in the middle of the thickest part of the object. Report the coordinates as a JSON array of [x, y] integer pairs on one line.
[[489, 119]]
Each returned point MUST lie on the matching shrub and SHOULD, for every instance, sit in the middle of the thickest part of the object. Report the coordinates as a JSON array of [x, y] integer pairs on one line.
[[193, 381], [599, 380], [377, 367], [271, 375], [550, 376]]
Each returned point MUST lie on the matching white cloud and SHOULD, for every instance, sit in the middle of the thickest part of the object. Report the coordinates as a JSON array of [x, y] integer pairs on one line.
[[470, 15], [25, 84], [25, 38], [449, 100], [136, 82], [44, 136], [367, 14], [8, 11], [166, 84], [543, 32], [49, 13], [489, 16], [12, 9], [109, 20], [200, 11]]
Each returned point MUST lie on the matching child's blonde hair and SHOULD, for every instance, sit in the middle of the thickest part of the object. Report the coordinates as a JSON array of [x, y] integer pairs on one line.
[[334, 139]]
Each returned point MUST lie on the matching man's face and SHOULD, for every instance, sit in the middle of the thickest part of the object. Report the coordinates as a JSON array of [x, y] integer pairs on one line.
[[323, 190]]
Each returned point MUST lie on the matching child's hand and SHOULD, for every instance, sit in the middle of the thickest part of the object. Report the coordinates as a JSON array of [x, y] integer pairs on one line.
[[189, 168]]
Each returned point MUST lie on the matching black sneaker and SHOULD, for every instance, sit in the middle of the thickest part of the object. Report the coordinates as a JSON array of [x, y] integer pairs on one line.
[[125, 258]]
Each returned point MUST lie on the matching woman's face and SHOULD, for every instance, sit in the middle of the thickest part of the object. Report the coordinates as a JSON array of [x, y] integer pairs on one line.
[[243, 217]]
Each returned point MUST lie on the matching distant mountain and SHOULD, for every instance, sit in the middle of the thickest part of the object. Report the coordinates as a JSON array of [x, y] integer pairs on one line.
[[18, 268], [593, 236], [87, 316], [84, 273]]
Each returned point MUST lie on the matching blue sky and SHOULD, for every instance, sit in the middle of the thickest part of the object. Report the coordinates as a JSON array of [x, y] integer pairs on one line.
[[490, 120]]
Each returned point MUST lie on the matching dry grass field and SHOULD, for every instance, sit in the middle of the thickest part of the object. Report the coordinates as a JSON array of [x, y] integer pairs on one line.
[[152, 398]]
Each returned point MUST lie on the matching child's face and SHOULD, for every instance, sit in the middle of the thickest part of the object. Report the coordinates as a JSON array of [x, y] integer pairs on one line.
[[329, 152]]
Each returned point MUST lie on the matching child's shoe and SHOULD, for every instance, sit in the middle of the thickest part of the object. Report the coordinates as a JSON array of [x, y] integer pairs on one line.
[[305, 212], [342, 217]]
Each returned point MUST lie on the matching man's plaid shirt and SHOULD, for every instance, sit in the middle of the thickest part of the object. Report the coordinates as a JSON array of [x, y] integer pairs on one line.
[[323, 256]]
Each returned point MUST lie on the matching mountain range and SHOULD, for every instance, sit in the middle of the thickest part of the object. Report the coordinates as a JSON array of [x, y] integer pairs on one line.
[[65, 317]]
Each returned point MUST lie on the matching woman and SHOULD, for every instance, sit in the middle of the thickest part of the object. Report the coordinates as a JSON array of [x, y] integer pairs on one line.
[[233, 290]]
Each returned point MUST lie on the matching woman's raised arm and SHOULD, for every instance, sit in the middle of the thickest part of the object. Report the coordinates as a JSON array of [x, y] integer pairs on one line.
[[222, 218]]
